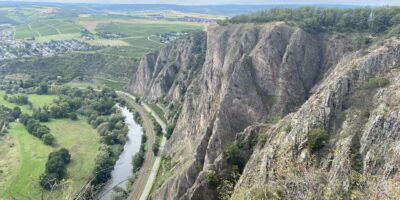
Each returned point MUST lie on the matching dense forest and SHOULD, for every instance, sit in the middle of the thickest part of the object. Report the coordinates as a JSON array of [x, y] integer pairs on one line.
[[377, 20]]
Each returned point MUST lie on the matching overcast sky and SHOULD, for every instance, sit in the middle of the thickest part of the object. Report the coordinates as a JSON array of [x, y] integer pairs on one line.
[[205, 2]]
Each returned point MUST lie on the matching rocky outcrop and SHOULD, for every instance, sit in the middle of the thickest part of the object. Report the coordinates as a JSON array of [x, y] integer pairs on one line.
[[361, 151], [166, 74], [265, 87]]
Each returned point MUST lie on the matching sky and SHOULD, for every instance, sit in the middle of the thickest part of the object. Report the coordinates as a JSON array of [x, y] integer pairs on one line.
[[213, 2]]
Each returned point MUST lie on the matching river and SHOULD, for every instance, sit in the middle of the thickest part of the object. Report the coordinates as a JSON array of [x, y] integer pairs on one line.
[[123, 167]]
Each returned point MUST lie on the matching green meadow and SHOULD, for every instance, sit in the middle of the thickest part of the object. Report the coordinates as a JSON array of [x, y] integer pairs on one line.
[[28, 156]]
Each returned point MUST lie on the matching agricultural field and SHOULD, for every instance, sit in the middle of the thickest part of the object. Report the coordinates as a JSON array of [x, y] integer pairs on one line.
[[29, 156], [141, 35], [46, 30], [140, 31]]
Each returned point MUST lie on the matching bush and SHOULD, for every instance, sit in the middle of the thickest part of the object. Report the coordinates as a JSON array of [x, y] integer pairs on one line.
[[55, 168], [317, 139], [157, 128], [232, 155], [73, 116], [375, 83], [156, 148], [48, 181], [261, 138], [137, 161], [288, 128], [144, 138], [211, 178], [48, 139], [170, 130]]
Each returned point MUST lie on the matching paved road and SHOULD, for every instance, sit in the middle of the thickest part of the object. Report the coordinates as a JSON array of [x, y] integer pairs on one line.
[[149, 168]]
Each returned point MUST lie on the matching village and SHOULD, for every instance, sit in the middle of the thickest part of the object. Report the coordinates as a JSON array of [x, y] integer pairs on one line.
[[11, 49]]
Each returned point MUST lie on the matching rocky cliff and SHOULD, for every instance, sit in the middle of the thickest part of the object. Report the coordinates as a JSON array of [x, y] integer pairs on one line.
[[272, 111]]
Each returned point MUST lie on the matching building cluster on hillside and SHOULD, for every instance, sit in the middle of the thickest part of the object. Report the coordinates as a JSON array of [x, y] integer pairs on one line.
[[6, 36], [166, 38], [197, 20], [11, 49]]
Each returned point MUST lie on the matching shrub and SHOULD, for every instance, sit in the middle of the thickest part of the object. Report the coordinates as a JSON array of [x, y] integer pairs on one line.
[[73, 116], [156, 148], [144, 138], [55, 168], [170, 130], [232, 155], [261, 138], [211, 178], [48, 181], [157, 128], [288, 128], [137, 161], [375, 83], [48, 139], [317, 139]]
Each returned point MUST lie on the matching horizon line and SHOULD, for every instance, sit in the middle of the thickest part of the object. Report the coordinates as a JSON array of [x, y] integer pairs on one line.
[[222, 4]]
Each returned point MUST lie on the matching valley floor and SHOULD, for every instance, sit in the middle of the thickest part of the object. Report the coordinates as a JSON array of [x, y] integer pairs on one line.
[[23, 156]]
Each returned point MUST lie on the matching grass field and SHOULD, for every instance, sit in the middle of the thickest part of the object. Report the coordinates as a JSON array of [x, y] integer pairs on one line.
[[32, 154], [29, 156], [25, 109], [83, 143], [41, 100], [98, 83], [37, 101]]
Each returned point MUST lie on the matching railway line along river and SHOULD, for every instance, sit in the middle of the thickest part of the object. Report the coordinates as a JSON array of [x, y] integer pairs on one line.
[[123, 167]]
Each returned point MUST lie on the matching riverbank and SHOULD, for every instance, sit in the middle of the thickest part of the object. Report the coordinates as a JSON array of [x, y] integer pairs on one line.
[[146, 176], [123, 167]]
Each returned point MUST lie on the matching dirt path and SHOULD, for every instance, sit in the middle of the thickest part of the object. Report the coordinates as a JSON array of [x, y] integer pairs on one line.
[[55, 28], [30, 27], [149, 39], [144, 172]]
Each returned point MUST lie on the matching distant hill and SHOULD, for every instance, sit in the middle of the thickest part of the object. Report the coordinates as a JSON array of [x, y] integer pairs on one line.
[[228, 10]]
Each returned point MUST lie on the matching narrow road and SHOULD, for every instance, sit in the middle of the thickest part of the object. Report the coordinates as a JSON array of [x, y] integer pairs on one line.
[[142, 188], [149, 39]]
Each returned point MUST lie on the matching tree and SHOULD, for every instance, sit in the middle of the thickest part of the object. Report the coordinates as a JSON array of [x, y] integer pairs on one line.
[[43, 88], [56, 165], [232, 155], [156, 148], [170, 130], [55, 168], [73, 116], [48, 139], [16, 112], [48, 181], [137, 161], [64, 154], [211, 178]]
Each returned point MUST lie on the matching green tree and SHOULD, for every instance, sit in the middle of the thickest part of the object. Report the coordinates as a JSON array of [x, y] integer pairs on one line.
[[317, 139], [48, 139]]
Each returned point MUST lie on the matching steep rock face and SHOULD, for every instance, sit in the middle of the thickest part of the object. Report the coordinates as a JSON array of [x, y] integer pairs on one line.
[[251, 74], [361, 158], [165, 75]]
